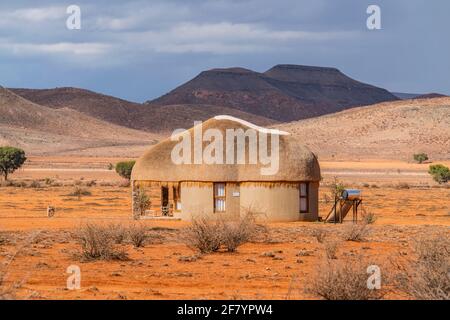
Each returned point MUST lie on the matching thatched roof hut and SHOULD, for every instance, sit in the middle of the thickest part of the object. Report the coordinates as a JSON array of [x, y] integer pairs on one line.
[[274, 185]]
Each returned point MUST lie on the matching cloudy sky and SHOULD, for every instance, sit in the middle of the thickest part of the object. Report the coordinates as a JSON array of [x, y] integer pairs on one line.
[[138, 50]]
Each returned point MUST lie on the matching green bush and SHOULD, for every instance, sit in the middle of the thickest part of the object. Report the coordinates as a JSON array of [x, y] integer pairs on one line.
[[420, 157], [11, 159], [440, 173], [124, 168]]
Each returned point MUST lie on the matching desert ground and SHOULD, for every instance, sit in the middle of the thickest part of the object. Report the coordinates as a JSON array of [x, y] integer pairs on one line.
[[35, 251]]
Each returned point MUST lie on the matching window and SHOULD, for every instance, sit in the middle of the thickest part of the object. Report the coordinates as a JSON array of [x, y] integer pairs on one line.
[[219, 197], [304, 203]]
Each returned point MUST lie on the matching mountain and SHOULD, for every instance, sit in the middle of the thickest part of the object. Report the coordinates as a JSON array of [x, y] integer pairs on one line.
[[41, 129], [430, 96], [283, 93], [405, 96], [155, 119], [389, 130], [91, 103]]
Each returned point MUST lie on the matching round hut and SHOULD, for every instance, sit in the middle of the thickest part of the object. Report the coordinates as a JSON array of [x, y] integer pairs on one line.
[[227, 167]]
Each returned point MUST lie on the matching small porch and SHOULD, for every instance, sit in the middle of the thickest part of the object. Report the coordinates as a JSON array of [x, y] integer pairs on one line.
[[165, 199]]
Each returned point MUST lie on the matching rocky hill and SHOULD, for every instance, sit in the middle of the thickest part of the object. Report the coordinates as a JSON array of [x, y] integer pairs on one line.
[[284, 93]]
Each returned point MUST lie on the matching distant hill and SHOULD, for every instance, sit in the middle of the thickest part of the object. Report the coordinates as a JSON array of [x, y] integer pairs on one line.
[[430, 96], [155, 119], [405, 96], [91, 103], [390, 130], [40, 129], [283, 93]]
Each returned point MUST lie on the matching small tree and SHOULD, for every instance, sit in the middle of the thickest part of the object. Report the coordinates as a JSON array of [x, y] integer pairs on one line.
[[11, 159], [124, 169], [420, 157], [440, 173], [336, 188]]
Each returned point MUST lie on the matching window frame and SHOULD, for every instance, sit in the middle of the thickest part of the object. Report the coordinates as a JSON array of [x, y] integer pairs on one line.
[[216, 197], [303, 197]]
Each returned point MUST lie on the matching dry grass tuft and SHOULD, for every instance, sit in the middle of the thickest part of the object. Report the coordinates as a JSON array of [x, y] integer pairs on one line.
[[79, 192], [206, 235], [138, 235], [236, 233], [429, 275], [368, 217], [331, 249], [97, 243], [118, 232], [356, 232], [203, 235], [343, 280], [320, 235]]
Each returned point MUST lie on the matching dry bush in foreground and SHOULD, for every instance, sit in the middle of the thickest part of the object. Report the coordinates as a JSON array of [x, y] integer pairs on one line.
[[331, 249], [320, 235], [203, 235], [236, 233], [118, 232], [8, 293], [208, 235], [343, 280], [368, 217], [428, 277], [97, 243], [5, 293], [138, 235], [356, 232]]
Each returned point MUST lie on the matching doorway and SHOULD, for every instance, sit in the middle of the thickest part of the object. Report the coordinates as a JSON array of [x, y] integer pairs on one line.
[[165, 201]]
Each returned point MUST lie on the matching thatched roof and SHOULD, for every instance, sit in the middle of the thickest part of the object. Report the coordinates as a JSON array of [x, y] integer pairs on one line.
[[296, 161]]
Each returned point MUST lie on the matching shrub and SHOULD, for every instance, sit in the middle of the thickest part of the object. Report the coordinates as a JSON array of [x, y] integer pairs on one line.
[[204, 235], [356, 232], [403, 185], [429, 273], [343, 280], [336, 188], [91, 183], [11, 159], [236, 233], [138, 235], [35, 184], [319, 234], [79, 192], [440, 173], [331, 249], [420, 157], [97, 244], [141, 202], [368, 217], [48, 181], [117, 232], [124, 169], [208, 235]]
